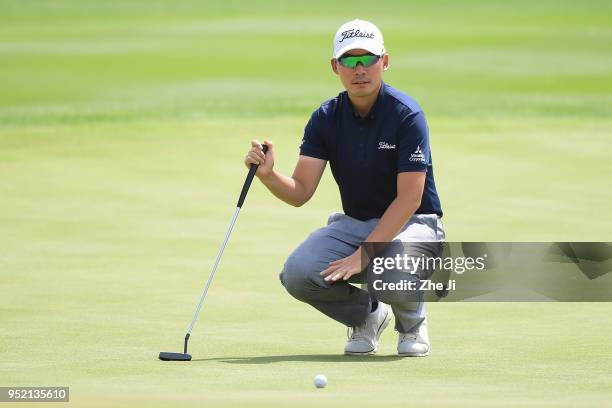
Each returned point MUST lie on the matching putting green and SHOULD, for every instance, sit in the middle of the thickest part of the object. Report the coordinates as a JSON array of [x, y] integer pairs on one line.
[[122, 130]]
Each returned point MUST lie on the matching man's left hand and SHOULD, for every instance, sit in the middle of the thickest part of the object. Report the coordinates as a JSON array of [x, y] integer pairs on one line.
[[343, 268]]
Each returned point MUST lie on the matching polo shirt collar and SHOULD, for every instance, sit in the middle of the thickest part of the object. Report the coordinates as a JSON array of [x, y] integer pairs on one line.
[[375, 108]]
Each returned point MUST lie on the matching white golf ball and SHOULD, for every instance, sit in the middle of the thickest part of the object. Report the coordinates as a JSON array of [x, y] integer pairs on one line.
[[320, 381]]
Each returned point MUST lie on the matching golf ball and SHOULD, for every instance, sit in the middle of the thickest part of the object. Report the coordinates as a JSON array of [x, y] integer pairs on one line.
[[320, 381]]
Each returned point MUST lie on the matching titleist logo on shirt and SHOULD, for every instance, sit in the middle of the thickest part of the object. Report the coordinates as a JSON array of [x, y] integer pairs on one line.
[[352, 33], [385, 146]]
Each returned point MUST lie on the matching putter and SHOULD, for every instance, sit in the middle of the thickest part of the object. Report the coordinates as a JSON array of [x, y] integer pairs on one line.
[[168, 356]]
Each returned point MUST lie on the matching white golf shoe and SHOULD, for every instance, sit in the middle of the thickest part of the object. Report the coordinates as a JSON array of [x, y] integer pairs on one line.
[[414, 344], [363, 340]]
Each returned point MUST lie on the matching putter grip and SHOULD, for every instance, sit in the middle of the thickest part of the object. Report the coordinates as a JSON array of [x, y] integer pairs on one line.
[[249, 180]]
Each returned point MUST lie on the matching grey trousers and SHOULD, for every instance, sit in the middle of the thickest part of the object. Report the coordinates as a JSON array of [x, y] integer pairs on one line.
[[342, 301]]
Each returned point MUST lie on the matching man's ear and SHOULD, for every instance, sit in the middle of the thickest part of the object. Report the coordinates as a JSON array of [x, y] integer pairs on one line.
[[334, 65], [385, 62]]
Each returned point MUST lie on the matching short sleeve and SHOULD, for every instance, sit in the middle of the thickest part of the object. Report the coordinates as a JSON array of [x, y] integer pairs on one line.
[[413, 141], [313, 143]]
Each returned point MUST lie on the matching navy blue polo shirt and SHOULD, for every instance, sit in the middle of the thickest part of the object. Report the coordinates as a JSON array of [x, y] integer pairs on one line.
[[366, 154]]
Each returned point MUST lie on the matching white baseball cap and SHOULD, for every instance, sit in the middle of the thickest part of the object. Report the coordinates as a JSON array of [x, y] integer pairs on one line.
[[358, 34]]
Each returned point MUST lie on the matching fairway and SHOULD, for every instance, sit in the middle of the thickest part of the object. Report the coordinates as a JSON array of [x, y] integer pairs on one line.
[[123, 128]]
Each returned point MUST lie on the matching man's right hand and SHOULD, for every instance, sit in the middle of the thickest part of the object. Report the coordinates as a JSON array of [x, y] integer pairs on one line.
[[257, 156], [294, 190]]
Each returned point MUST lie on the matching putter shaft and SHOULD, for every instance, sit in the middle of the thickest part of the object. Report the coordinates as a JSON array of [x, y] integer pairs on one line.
[[212, 274], [243, 193]]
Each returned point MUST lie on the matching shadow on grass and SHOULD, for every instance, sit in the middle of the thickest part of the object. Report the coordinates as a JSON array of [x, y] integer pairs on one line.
[[330, 358]]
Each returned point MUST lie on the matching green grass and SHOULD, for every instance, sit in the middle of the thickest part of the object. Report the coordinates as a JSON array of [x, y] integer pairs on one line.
[[122, 130]]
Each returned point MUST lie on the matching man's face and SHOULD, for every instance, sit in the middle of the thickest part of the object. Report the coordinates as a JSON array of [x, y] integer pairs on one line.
[[361, 81]]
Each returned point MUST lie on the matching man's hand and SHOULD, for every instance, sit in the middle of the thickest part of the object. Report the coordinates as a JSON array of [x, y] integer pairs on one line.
[[257, 156], [343, 268]]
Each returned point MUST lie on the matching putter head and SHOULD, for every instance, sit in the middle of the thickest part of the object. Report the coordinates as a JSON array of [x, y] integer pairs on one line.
[[165, 356]]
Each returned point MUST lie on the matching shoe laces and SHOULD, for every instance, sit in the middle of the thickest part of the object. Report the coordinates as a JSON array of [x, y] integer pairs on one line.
[[408, 337], [353, 333]]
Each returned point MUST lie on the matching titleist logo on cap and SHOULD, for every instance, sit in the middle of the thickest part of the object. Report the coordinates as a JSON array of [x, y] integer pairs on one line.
[[352, 33]]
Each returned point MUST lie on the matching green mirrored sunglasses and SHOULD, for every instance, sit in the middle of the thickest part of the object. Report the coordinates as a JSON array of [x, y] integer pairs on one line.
[[351, 61]]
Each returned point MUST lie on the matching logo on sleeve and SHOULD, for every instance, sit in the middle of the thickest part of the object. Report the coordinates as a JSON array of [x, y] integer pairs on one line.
[[418, 156], [302, 142], [385, 146]]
